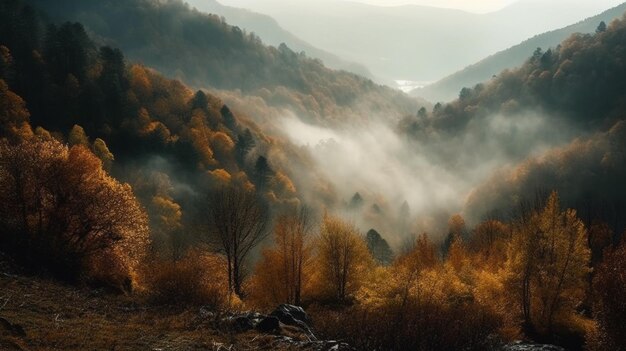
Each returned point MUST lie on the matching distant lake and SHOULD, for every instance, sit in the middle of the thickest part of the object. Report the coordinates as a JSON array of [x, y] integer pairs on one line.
[[408, 85]]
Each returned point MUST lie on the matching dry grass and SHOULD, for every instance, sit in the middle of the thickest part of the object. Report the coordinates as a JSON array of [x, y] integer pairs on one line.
[[61, 317]]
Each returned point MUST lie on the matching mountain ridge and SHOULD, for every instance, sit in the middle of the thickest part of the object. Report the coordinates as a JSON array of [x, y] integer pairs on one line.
[[448, 88]]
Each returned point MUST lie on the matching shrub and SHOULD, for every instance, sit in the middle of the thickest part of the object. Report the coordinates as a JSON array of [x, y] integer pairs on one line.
[[197, 279], [428, 326]]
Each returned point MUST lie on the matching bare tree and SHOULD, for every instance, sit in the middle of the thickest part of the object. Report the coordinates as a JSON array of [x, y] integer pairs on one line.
[[293, 233], [238, 221]]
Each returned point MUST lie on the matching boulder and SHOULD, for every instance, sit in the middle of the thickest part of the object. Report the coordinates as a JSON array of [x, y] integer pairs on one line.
[[268, 324], [242, 323], [290, 312]]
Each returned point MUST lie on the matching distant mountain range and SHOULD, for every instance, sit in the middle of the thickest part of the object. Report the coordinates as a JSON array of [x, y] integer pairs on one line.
[[417, 43], [448, 88], [273, 34]]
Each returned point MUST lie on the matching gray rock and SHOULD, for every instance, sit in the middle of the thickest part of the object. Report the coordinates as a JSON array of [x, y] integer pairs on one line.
[[294, 316]]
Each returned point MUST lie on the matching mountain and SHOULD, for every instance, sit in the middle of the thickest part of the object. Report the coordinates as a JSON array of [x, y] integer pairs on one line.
[[448, 88], [417, 43], [220, 56], [272, 34], [556, 122]]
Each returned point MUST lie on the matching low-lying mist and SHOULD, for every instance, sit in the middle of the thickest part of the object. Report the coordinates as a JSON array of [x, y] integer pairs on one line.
[[434, 173]]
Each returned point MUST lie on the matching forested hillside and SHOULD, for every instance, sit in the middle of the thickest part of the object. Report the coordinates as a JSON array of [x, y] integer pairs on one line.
[[171, 143], [221, 56], [572, 90], [448, 88], [167, 218], [273, 34]]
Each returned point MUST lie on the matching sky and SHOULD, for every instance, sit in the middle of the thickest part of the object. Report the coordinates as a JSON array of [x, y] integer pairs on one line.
[[476, 6], [479, 6]]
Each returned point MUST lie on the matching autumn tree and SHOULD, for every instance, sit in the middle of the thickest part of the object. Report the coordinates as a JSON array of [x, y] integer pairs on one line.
[[548, 263], [343, 257], [610, 305], [456, 232], [59, 209], [489, 240], [408, 267], [285, 268], [238, 222], [13, 114]]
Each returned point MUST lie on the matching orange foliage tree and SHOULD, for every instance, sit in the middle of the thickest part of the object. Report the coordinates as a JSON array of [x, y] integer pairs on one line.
[[284, 269], [59, 209]]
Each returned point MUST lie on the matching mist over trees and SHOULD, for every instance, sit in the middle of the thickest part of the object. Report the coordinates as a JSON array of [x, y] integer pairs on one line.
[[115, 176], [447, 88]]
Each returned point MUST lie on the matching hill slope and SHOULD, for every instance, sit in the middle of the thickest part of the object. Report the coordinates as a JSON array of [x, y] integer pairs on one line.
[[273, 34], [42, 314], [221, 56], [556, 122], [448, 88]]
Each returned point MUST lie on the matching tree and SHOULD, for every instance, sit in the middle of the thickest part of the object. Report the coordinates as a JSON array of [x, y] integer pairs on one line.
[[420, 256], [378, 247], [262, 171], [601, 27], [343, 257], [238, 221], [283, 271], [59, 208], [465, 93], [610, 305], [77, 136], [456, 232], [548, 261], [245, 143], [199, 100], [101, 150], [356, 201], [13, 114], [488, 241], [422, 112]]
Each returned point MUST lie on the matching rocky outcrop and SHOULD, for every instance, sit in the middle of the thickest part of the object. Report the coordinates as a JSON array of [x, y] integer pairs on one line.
[[521, 346], [287, 325], [294, 316]]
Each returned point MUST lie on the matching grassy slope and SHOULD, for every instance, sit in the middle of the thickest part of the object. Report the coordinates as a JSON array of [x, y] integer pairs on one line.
[[60, 317]]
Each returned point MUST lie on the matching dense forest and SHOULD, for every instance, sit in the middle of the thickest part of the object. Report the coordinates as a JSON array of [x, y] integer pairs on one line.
[[114, 176]]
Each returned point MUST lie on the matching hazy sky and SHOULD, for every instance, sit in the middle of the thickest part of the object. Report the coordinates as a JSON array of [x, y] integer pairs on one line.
[[468, 5], [479, 6]]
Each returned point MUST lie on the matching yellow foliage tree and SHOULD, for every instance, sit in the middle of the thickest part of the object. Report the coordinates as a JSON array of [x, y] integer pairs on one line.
[[549, 264], [342, 256]]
